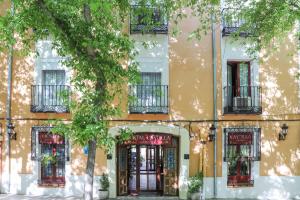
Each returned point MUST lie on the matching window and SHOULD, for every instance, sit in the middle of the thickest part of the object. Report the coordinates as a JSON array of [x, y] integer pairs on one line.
[[53, 86], [239, 155], [242, 148], [50, 153], [52, 159], [239, 78], [240, 95], [150, 96], [48, 97]]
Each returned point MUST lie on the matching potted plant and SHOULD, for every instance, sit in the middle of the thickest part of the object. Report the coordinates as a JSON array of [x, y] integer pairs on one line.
[[48, 159], [104, 185], [194, 185]]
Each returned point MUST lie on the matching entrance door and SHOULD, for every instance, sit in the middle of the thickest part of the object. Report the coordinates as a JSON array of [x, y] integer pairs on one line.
[[147, 167], [147, 171], [170, 171], [122, 171]]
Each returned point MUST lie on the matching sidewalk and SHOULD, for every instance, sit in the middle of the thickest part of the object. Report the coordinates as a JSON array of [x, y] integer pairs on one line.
[[28, 197]]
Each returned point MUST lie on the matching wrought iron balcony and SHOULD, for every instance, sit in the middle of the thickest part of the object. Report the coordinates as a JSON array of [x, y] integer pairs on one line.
[[149, 99], [232, 24], [242, 100], [49, 98], [155, 22]]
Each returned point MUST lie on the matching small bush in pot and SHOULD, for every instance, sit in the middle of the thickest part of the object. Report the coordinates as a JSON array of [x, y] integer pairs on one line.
[[194, 185], [104, 185]]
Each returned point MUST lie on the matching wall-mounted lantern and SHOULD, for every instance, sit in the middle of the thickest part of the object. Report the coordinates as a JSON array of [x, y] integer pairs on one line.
[[283, 132], [211, 135], [11, 132]]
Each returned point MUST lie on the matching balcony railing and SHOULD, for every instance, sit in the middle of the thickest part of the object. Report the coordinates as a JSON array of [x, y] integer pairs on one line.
[[155, 22], [149, 99], [231, 24], [50, 98], [243, 100]]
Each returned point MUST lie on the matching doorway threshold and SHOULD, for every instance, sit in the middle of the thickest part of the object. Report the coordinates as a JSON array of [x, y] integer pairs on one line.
[[147, 198]]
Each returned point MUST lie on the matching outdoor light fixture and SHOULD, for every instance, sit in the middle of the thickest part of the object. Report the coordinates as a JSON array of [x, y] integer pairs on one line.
[[211, 135], [283, 132], [11, 132]]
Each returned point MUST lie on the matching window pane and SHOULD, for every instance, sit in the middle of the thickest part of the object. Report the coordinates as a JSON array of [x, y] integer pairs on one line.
[[244, 74], [54, 77], [245, 150]]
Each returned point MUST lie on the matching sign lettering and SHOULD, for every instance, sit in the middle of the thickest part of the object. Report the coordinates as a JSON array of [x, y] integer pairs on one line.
[[239, 138], [152, 139], [45, 138]]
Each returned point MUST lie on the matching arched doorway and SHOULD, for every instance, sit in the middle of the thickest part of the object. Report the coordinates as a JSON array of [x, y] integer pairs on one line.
[[147, 164], [184, 148]]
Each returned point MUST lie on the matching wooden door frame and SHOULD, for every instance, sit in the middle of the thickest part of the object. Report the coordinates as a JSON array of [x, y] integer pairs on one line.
[[138, 160], [237, 77]]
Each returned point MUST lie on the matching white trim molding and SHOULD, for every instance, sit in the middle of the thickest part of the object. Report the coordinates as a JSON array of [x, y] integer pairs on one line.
[[184, 148]]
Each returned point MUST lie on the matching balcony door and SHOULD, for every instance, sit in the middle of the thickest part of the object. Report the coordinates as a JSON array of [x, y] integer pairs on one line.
[[53, 86], [239, 78], [149, 96]]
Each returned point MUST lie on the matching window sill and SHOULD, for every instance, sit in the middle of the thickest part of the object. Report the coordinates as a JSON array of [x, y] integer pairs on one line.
[[240, 184], [52, 185]]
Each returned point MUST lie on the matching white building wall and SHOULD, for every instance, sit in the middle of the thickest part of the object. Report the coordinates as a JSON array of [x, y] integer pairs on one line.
[[154, 58], [48, 59]]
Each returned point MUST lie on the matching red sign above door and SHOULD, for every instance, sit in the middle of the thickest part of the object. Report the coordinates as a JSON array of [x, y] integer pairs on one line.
[[239, 138], [45, 138], [152, 139]]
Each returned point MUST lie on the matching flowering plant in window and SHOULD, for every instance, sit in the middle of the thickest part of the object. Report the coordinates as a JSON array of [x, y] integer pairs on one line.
[[48, 159]]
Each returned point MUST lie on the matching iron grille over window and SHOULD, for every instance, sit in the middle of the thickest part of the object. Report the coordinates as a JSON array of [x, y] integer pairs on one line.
[[241, 148], [242, 133], [147, 19], [51, 151], [34, 142]]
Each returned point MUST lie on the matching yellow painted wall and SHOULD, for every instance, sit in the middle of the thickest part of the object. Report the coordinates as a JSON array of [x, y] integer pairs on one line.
[[191, 98]]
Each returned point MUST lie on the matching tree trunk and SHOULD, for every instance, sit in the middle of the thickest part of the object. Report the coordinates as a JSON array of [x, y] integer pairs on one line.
[[89, 174]]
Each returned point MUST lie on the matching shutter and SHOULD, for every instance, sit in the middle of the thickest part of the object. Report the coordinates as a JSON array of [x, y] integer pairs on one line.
[[225, 158], [257, 145], [33, 144], [67, 149]]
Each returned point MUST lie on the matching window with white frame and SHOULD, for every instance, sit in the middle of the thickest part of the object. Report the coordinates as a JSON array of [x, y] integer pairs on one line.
[[51, 151], [149, 96], [241, 149]]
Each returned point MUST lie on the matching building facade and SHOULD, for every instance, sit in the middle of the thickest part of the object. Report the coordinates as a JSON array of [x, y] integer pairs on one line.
[[201, 106]]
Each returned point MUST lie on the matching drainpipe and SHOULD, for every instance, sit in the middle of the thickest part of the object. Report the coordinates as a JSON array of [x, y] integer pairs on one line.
[[8, 109], [214, 57]]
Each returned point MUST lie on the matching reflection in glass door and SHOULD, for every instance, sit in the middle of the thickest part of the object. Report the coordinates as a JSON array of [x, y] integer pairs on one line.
[[148, 168]]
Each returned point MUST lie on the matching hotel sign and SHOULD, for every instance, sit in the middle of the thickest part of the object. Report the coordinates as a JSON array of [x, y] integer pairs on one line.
[[45, 138], [152, 139], [239, 138]]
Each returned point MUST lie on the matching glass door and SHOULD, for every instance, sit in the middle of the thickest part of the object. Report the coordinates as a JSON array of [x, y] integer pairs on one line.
[[122, 171], [170, 171], [147, 170], [132, 167]]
